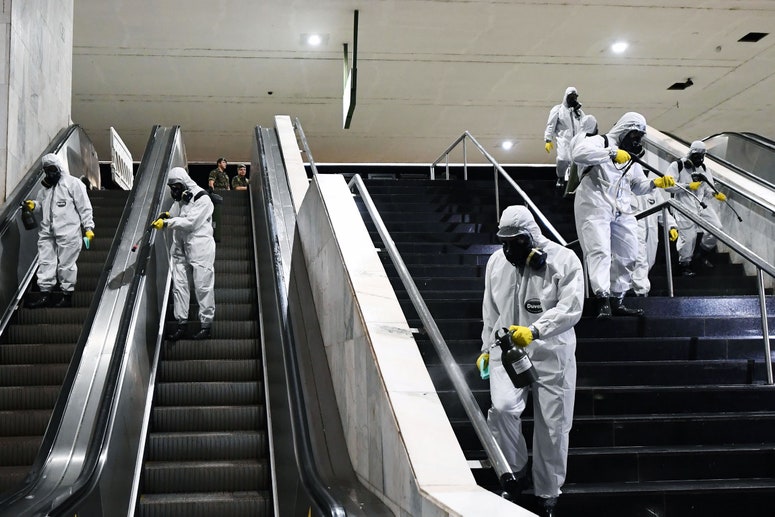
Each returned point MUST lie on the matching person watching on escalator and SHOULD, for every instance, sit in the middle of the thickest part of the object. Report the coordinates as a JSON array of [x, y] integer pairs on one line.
[[534, 287], [218, 179], [66, 224]]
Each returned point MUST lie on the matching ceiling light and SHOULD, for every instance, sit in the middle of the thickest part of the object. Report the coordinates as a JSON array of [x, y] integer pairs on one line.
[[619, 46], [753, 37], [506, 145], [314, 40]]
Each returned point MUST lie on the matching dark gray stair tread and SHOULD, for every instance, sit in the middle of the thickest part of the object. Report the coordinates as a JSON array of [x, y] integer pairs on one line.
[[19, 450], [689, 485], [209, 393], [233, 504], [209, 370], [36, 353], [225, 445], [213, 349], [13, 398], [24, 423], [207, 418], [33, 374], [205, 476]]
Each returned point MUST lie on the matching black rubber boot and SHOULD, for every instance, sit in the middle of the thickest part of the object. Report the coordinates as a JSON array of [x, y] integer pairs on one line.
[[65, 301], [43, 301], [204, 332], [685, 269], [550, 507], [618, 308], [703, 257], [603, 307], [178, 333]]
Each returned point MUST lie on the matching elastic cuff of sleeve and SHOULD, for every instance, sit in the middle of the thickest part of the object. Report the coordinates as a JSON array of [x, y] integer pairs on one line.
[[533, 330]]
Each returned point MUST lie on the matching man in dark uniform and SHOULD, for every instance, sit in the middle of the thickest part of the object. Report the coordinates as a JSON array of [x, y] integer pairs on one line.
[[218, 179]]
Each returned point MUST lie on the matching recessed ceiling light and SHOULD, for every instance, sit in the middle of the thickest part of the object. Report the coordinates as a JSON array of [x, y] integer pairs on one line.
[[619, 46], [314, 40], [753, 37], [506, 145]]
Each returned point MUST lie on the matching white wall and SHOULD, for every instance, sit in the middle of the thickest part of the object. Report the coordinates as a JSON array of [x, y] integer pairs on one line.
[[36, 62]]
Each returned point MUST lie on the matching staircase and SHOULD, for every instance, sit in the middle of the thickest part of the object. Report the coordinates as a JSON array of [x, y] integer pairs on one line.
[[207, 450], [672, 417], [38, 345]]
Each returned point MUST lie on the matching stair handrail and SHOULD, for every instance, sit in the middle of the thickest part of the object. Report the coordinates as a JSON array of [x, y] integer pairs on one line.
[[497, 170], [494, 453]]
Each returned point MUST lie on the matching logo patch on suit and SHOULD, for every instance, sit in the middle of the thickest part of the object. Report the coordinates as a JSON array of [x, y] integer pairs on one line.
[[533, 306], [652, 201], [61, 203]]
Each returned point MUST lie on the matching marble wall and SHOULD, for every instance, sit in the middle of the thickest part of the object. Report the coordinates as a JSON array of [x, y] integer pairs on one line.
[[400, 441], [36, 51]]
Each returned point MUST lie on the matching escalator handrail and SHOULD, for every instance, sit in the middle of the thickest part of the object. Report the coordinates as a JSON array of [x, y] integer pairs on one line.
[[493, 450], [88, 479], [54, 423], [312, 481]]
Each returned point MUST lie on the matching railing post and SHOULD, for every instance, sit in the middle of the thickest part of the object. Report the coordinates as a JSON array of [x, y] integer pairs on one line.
[[668, 259], [497, 195], [765, 325], [446, 161], [465, 161]]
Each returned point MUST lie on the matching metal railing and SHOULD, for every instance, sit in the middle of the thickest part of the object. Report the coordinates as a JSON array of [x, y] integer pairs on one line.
[[471, 407], [497, 169], [760, 264]]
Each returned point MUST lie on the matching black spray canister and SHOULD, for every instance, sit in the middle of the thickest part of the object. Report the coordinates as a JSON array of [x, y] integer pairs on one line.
[[28, 218], [515, 360]]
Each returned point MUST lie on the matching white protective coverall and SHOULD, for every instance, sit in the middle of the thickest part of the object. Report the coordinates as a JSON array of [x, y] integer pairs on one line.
[[563, 124], [550, 299], [66, 213], [587, 127], [687, 230], [648, 238], [605, 222], [192, 249]]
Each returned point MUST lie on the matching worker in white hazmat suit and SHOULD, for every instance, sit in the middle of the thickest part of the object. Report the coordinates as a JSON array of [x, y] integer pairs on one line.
[[535, 287], [648, 237], [563, 124], [605, 222], [192, 251], [692, 174], [66, 224], [588, 127]]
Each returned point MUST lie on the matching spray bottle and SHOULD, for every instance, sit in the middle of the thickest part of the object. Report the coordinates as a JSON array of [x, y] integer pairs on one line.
[[515, 360]]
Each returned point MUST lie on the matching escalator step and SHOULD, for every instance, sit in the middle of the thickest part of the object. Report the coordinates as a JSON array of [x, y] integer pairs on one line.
[[233, 253], [207, 418], [36, 354], [224, 311], [27, 423], [13, 398], [232, 267], [206, 446], [209, 393], [206, 476], [240, 370], [212, 349], [233, 504], [32, 374], [53, 316], [11, 477], [234, 281], [43, 333], [19, 450]]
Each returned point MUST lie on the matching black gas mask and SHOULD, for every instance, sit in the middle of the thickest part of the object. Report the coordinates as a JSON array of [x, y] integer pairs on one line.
[[53, 174], [631, 142], [697, 159], [573, 100], [179, 192], [521, 252]]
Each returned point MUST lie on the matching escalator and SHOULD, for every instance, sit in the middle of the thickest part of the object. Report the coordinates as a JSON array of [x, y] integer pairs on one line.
[[207, 450], [746, 152], [38, 345]]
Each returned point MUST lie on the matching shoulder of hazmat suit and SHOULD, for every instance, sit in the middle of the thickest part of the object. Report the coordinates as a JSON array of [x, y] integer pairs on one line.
[[551, 299]]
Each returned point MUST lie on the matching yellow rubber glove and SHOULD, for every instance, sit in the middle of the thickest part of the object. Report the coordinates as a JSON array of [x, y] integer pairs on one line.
[[548, 147], [664, 182], [164, 215], [88, 235], [520, 336], [158, 223], [621, 156], [30, 204], [673, 235], [720, 196], [694, 185], [483, 364]]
